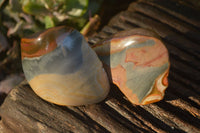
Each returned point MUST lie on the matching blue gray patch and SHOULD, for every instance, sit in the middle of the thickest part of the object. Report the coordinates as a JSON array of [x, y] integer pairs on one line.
[[141, 79], [66, 58]]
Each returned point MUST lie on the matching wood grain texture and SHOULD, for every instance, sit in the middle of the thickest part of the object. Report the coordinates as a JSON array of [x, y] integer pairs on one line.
[[179, 112]]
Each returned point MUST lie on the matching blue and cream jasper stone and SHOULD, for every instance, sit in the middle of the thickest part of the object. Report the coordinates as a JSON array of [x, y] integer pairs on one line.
[[61, 68]]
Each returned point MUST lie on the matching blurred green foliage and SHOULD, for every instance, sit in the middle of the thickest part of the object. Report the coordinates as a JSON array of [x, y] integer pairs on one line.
[[28, 16]]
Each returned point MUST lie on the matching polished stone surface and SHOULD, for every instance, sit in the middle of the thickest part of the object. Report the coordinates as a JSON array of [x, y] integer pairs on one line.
[[61, 68], [138, 63]]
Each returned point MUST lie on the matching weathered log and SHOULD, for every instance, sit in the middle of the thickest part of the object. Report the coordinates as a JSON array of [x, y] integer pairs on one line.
[[23, 111]]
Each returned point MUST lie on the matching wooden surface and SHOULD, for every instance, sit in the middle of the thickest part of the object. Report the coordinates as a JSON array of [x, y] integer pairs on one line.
[[178, 24]]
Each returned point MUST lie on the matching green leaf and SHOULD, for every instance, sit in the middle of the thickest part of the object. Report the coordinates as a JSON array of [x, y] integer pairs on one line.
[[49, 22], [34, 9], [52, 4], [76, 8]]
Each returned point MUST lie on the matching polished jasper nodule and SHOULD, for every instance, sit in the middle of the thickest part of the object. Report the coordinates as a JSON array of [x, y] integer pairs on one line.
[[61, 67], [138, 63]]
